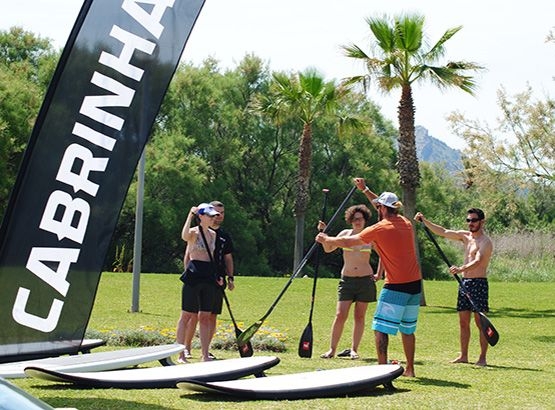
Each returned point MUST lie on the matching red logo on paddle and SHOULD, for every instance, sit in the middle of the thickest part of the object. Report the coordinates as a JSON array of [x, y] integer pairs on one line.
[[490, 332], [306, 345]]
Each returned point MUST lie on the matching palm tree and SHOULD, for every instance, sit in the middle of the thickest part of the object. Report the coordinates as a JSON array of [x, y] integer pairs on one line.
[[305, 97], [402, 58]]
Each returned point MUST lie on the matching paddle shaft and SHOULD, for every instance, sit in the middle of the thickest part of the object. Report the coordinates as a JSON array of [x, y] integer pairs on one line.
[[245, 350], [305, 259], [251, 330], [306, 341], [317, 259]]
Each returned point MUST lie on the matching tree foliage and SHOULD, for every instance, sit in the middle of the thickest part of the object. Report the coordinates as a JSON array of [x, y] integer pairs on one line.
[[209, 143], [26, 65], [513, 164], [400, 57]]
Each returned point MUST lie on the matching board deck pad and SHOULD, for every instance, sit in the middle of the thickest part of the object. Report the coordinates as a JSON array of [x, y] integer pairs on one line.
[[308, 385], [161, 377], [90, 362]]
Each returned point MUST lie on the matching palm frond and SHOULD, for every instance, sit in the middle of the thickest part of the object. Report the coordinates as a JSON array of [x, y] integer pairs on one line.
[[409, 32], [383, 32], [438, 49]]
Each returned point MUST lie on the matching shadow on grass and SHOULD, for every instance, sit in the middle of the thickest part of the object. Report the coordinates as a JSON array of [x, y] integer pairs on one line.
[[96, 403], [369, 392], [524, 313], [498, 312], [544, 339], [495, 366], [438, 382]]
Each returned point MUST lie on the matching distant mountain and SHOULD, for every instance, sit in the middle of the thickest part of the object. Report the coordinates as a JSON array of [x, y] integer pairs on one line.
[[431, 149]]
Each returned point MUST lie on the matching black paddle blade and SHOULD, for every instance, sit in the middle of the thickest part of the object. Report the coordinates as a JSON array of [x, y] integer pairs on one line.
[[245, 350], [247, 335], [491, 334], [305, 344]]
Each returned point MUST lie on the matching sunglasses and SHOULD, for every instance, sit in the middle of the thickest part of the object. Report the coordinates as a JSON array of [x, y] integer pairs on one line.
[[469, 220]]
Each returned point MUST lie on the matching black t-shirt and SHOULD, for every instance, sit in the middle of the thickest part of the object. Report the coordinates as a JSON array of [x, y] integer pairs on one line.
[[224, 246]]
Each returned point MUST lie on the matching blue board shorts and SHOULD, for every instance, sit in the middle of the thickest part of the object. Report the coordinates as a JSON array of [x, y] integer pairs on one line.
[[396, 311]]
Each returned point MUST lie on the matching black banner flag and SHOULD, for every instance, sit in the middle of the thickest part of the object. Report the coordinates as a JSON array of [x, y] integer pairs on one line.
[[90, 132]]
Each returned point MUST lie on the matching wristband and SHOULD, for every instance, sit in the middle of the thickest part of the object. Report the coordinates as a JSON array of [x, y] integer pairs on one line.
[[365, 190]]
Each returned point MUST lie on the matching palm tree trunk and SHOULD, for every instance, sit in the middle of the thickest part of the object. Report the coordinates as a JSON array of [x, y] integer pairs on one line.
[[303, 181], [409, 172]]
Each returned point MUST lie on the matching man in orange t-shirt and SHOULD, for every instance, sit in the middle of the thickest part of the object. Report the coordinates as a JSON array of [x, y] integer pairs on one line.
[[399, 301]]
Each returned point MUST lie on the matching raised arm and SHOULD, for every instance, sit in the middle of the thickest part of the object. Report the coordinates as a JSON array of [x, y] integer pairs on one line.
[[438, 229], [361, 185], [186, 233]]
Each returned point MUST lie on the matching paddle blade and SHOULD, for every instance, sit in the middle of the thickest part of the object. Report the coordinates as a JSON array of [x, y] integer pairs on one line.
[[305, 344], [245, 350], [247, 335], [491, 334]]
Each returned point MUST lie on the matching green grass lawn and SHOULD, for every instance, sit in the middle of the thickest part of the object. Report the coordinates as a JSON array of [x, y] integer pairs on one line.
[[520, 374]]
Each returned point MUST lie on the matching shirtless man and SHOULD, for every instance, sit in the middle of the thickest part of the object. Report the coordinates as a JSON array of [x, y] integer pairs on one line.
[[357, 284], [478, 249]]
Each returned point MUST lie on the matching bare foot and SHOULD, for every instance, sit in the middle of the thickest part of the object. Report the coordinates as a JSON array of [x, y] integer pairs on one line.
[[481, 363], [181, 360], [460, 359], [409, 373]]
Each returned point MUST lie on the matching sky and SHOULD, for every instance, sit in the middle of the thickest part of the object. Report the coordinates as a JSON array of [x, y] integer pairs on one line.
[[507, 37]]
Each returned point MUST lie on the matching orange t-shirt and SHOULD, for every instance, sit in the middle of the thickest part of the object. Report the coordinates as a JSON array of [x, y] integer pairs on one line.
[[393, 240]]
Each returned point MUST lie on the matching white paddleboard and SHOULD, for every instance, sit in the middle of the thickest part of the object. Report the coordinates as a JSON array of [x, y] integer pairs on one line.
[[91, 362], [85, 347], [323, 383], [15, 398], [161, 377]]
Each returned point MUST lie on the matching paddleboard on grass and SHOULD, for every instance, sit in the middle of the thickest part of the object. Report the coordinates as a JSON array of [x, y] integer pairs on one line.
[[309, 385], [85, 347], [91, 362], [161, 377], [15, 398]]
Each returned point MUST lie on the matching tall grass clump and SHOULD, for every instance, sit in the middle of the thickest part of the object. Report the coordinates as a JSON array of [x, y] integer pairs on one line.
[[523, 257]]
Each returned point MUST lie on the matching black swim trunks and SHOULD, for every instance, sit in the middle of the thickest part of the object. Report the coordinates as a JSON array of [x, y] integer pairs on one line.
[[479, 293]]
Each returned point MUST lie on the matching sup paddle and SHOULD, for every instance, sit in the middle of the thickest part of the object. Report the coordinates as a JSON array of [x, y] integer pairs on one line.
[[245, 350], [305, 343], [487, 328], [252, 329]]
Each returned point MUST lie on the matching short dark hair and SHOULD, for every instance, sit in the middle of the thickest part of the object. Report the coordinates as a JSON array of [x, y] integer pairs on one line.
[[476, 211]]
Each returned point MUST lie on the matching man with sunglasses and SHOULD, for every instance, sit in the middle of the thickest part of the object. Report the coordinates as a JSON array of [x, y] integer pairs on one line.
[[478, 249]]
